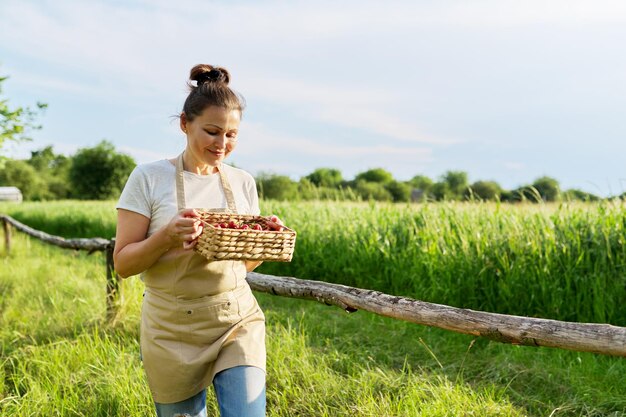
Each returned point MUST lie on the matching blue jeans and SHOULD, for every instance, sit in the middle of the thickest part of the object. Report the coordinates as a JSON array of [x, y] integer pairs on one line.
[[240, 392]]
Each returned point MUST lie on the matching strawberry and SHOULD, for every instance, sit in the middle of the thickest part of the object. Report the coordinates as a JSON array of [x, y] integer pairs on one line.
[[257, 227], [244, 226], [232, 225]]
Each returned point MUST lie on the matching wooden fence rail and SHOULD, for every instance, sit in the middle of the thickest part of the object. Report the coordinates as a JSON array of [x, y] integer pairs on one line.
[[584, 337]]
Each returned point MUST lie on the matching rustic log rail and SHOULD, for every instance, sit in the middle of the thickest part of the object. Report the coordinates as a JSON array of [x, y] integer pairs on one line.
[[583, 337]]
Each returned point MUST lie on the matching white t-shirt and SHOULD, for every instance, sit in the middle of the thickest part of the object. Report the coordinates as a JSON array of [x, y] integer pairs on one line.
[[151, 191]]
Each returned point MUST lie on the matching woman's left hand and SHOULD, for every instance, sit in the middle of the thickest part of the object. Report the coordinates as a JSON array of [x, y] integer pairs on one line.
[[275, 223]]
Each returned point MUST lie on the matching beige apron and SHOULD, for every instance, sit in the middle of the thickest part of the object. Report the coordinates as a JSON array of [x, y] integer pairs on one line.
[[198, 317]]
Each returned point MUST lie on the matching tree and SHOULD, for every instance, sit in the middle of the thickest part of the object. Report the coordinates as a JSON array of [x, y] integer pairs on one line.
[[99, 173], [579, 195], [441, 191], [400, 191], [524, 193], [325, 177], [378, 175], [54, 168], [16, 123], [456, 182], [276, 187], [548, 188], [22, 175], [484, 190], [372, 191], [421, 182]]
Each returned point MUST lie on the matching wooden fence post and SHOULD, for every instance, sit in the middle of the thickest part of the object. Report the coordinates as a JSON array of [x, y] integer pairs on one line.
[[7, 235], [114, 298]]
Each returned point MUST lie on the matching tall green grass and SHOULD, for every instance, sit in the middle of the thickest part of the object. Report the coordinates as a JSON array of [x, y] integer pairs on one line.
[[564, 261], [66, 218]]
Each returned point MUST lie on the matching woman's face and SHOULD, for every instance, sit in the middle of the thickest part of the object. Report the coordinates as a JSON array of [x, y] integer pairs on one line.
[[211, 136]]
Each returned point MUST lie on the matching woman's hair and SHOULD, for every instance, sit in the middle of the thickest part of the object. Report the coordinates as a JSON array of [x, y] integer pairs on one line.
[[211, 89]]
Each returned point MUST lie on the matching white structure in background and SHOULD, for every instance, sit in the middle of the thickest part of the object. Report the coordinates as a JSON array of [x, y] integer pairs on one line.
[[10, 194]]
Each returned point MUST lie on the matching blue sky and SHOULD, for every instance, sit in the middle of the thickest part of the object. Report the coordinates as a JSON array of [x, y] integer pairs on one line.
[[504, 90]]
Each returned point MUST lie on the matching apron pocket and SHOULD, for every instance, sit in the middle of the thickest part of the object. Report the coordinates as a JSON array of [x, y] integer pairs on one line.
[[207, 323]]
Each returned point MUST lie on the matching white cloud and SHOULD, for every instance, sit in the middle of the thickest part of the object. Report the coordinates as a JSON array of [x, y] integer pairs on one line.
[[365, 108], [264, 148]]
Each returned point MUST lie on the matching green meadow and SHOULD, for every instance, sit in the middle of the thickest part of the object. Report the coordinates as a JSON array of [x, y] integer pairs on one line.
[[60, 357]]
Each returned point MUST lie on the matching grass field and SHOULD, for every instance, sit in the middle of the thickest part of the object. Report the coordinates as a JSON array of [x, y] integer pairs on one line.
[[60, 358]]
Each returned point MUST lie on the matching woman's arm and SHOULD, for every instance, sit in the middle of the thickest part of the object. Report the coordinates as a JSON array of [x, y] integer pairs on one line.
[[251, 265], [134, 253]]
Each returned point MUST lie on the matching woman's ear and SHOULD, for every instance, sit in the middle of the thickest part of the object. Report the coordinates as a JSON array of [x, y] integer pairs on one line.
[[183, 122]]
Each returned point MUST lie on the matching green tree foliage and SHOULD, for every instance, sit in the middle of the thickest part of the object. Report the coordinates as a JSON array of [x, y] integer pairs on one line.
[[548, 188], [16, 122], [526, 193], [368, 190], [578, 195], [400, 191], [55, 169], [21, 174], [276, 187], [422, 183], [325, 177], [484, 190], [100, 172], [378, 175], [456, 182], [42, 177], [309, 191], [441, 191], [544, 189]]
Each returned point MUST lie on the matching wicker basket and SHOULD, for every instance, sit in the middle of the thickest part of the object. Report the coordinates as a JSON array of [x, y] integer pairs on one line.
[[221, 244]]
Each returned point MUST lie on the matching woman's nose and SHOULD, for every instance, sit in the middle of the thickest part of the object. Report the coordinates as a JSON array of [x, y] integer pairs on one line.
[[221, 140]]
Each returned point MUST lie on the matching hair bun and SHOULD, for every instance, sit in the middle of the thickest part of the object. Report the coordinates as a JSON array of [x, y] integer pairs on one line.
[[211, 74]]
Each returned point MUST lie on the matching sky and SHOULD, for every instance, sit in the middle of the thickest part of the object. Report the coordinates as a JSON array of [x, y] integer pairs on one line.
[[504, 90]]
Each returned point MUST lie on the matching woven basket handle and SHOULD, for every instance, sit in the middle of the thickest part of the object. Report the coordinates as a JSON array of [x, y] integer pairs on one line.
[[180, 187]]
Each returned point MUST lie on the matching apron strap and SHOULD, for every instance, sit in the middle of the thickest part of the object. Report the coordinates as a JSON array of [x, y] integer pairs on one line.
[[180, 186]]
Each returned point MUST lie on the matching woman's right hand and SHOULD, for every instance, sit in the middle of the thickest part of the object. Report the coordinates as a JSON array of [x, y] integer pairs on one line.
[[184, 228]]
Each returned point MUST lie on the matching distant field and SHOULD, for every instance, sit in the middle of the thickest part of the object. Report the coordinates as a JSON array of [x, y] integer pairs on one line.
[[565, 262]]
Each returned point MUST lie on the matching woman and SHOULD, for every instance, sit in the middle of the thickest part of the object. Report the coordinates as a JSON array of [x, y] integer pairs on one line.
[[200, 322]]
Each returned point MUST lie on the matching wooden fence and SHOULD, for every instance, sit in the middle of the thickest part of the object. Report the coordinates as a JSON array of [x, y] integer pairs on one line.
[[584, 337]]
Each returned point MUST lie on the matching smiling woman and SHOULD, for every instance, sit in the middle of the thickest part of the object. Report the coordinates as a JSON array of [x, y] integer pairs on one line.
[[200, 324]]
